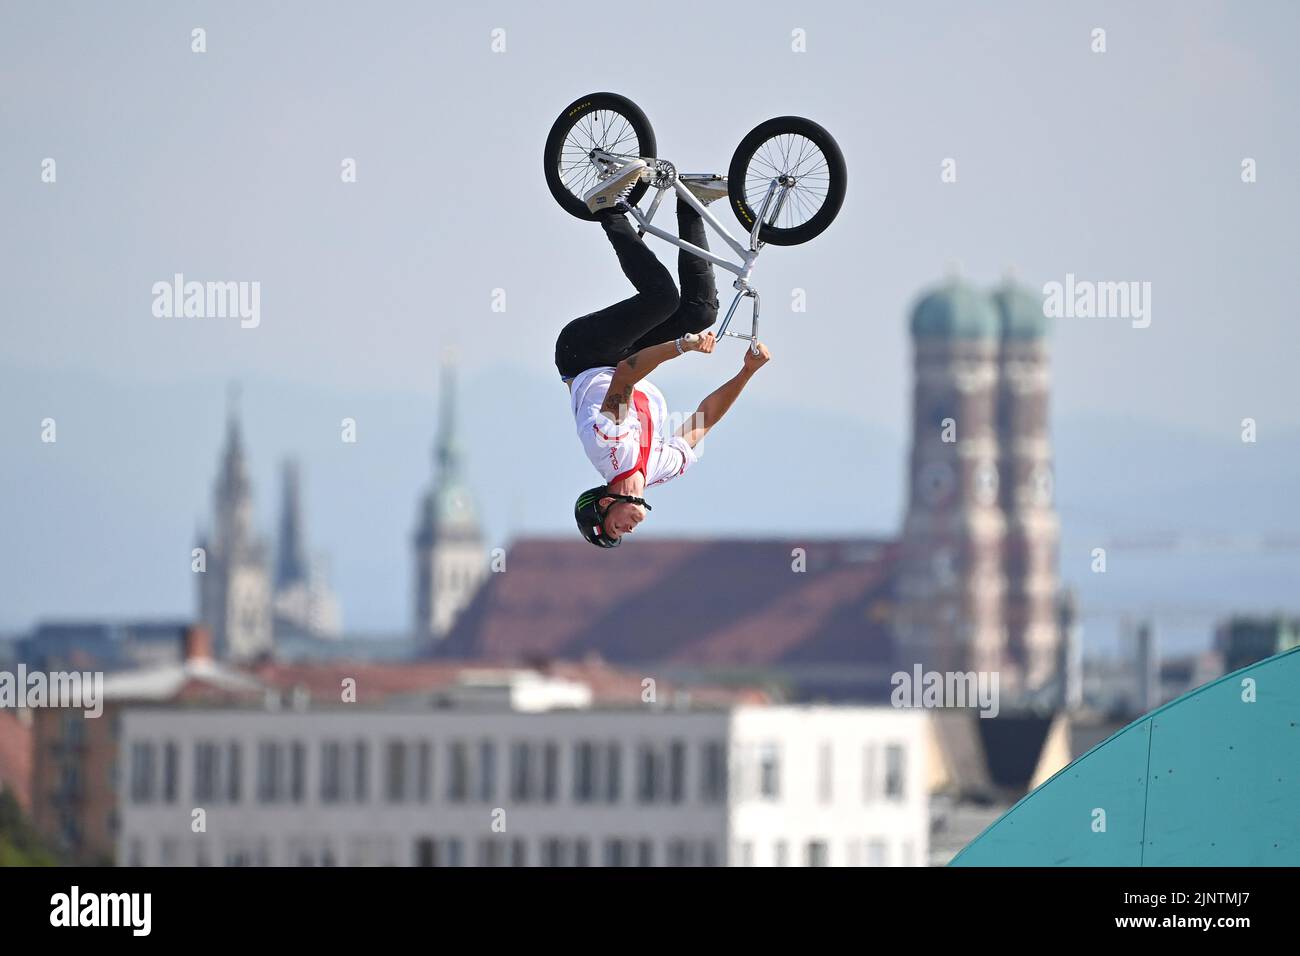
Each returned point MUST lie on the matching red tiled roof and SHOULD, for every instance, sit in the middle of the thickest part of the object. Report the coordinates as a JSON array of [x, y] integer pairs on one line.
[[684, 602], [16, 758]]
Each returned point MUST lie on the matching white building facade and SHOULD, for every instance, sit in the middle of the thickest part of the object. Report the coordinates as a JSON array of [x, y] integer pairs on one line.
[[753, 785]]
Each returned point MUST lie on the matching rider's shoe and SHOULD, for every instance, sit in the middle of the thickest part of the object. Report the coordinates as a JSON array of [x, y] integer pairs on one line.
[[705, 187], [607, 193]]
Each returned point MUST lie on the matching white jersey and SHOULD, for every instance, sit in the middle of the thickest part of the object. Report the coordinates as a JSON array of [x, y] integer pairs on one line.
[[639, 443]]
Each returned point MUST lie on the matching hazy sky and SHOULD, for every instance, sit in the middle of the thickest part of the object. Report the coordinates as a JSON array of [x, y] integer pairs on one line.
[[1124, 165]]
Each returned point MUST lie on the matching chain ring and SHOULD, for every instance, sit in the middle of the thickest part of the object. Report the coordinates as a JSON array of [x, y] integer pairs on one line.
[[665, 174]]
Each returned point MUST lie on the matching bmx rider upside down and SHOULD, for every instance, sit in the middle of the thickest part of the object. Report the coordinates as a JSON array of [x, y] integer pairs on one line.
[[605, 357]]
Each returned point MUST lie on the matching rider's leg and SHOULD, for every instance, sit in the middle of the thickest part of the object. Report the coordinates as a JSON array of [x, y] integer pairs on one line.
[[606, 337], [699, 302]]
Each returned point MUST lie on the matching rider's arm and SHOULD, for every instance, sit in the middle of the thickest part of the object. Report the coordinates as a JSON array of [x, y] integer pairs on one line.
[[640, 364], [720, 399]]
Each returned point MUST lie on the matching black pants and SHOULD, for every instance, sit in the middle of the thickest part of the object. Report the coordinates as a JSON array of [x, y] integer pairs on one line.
[[657, 313]]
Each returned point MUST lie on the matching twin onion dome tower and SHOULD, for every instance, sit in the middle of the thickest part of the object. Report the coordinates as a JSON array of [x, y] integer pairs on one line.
[[976, 586]]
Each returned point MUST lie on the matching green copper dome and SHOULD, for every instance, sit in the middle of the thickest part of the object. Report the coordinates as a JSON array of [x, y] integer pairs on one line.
[[955, 310], [1020, 311]]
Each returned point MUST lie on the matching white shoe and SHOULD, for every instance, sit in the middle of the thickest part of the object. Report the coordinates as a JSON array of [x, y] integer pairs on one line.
[[615, 186], [705, 187]]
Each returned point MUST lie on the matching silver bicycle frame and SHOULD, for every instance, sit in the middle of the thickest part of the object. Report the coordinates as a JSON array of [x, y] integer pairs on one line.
[[776, 189]]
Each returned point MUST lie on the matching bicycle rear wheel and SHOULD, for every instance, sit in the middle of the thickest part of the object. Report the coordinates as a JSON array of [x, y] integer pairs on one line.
[[796, 152], [605, 121]]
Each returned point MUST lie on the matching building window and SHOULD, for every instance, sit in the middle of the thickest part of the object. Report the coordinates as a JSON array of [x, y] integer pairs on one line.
[[518, 852], [491, 852], [142, 771], [825, 773], [171, 771], [234, 771], [613, 772], [331, 772], [425, 855], [781, 853], [676, 771], [487, 770], [270, 760], [713, 781], [453, 852], [424, 771], [395, 778], [817, 853], [895, 771], [769, 772], [708, 853], [206, 756], [645, 853], [553, 852], [680, 853], [551, 773], [615, 852], [297, 771], [584, 772], [581, 852], [745, 853], [520, 771], [458, 772], [360, 772], [650, 773]]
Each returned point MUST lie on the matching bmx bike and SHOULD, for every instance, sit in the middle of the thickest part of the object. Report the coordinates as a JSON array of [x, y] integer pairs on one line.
[[785, 184]]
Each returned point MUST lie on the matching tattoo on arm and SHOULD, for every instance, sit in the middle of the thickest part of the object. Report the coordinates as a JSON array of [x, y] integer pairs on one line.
[[615, 402]]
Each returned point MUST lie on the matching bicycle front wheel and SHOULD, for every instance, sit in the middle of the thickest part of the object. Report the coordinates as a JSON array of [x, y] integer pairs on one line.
[[598, 121], [808, 167]]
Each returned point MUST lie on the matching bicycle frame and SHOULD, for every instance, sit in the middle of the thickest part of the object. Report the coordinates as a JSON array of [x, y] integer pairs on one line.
[[748, 254]]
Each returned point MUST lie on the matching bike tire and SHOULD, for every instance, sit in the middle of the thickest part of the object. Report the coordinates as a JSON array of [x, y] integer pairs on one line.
[[555, 158], [756, 154]]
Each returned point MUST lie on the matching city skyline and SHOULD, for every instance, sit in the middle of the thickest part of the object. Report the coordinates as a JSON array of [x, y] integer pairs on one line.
[[1146, 420]]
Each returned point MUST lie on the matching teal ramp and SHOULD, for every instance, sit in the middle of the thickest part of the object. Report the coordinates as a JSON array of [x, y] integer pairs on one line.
[[1209, 779]]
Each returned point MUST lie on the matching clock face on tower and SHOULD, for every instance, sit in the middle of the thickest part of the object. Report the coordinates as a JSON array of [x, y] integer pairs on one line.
[[936, 483]]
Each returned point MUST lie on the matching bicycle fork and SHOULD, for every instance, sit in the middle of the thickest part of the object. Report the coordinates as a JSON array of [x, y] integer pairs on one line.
[[742, 286]]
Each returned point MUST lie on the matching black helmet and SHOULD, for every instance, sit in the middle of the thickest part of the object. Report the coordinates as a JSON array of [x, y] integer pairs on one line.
[[591, 517]]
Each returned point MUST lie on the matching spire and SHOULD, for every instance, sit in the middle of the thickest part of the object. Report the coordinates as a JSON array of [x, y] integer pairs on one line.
[[291, 557], [233, 492], [448, 507], [447, 452], [234, 475]]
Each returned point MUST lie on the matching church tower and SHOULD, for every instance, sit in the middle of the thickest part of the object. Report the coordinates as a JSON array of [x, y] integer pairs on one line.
[[234, 590], [450, 558], [1025, 492], [291, 553], [949, 586], [303, 604]]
